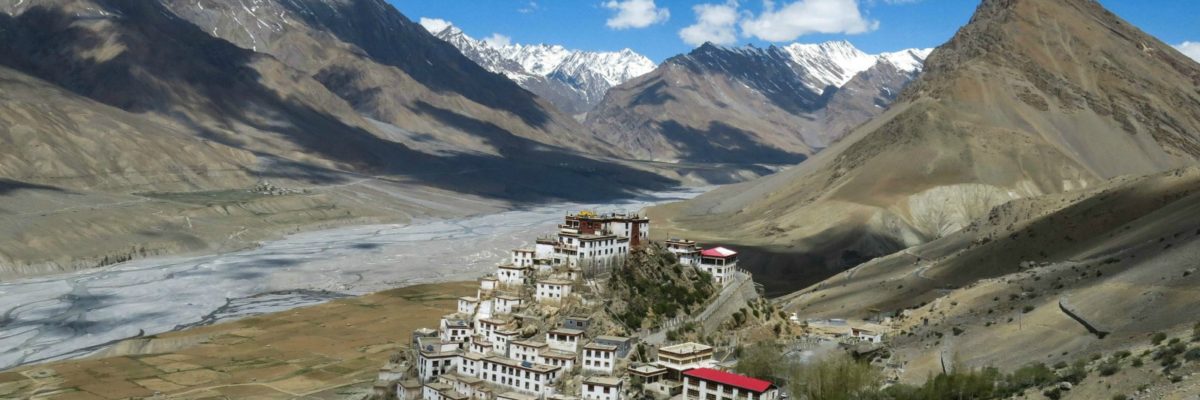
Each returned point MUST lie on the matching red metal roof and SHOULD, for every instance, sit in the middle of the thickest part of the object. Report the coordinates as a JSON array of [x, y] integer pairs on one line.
[[718, 252], [728, 379]]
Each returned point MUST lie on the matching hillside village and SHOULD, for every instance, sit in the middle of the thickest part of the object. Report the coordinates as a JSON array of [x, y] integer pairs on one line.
[[550, 324]]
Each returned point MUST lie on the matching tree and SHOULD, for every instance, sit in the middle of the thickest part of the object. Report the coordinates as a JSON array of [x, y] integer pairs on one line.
[[837, 377], [763, 360]]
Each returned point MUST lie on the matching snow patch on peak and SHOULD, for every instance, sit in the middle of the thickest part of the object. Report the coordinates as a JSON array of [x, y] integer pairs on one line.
[[910, 60], [830, 63]]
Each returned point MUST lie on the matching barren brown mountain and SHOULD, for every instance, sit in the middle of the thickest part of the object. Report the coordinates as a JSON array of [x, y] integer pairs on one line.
[[1030, 98], [749, 105], [115, 111]]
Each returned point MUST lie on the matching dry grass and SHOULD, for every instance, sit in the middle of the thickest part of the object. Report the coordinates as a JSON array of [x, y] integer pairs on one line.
[[281, 355]]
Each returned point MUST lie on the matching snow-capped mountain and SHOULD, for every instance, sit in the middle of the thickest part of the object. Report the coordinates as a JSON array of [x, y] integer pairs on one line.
[[777, 104], [573, 80], [835, 63]]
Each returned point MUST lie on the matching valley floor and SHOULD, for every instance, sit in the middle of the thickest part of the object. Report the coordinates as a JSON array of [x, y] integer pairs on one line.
[[75, 314], [309, 352]]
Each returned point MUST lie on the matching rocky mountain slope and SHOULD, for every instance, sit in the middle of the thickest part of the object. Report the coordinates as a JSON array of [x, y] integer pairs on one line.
[[1047, 279], [1030, 98], [774, 105], [573, 80], [131, 105]]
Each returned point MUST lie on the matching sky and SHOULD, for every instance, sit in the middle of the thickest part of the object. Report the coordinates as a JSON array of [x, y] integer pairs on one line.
[[660, 29]]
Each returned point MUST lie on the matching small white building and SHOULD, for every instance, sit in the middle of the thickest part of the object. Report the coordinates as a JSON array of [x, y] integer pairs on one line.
[[552, 290], [687, 251], [523, 257], [513, 275], [564, 339], [436, 357], [454, 330], [557, 358], [707, 384], [488, 284], [683, 357], [521, 376], [487, 326], [408, 390], [481, 344], [600, 388], [467, 305], [470, 363], [501, 339], [600, 358], [506, 304], [866, 335], [526, 350], [719, 262]]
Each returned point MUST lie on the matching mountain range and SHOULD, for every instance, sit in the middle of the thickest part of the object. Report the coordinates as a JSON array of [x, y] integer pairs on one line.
[[745, 104], [1030, 197], [573, 80]]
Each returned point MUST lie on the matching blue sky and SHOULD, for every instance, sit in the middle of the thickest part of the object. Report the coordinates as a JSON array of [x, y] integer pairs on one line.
[[660, 29]]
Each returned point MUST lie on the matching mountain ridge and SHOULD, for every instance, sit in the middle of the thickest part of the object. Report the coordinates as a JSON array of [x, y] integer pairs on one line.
[[574, 80], [733, 104], [1030, 98]]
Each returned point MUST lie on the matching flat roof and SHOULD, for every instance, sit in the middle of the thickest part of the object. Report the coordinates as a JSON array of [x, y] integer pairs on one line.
[[729, 379], [600, 346], [602, 381], [612, 338], [560, 282], [508, 297], [515, 396], [539, 368], [647, 370], [469, 298], [566, 331], [529, 343], [686, 348], [559, 354]]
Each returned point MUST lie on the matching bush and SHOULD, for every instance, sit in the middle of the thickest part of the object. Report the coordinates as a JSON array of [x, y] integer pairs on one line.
[[1027, 309], [1109, 368], [1120, 397], [1192, 354], [957, 331], [1137, 362], [1158, 338]]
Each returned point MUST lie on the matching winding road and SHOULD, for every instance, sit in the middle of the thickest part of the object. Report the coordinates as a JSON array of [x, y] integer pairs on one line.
[[71, 315]]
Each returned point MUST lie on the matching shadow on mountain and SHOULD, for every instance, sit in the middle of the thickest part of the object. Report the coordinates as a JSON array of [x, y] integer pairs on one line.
[[166, 65], [768, 71], [536, 170], [8, 186], [785, 269], [390, 38], [655, 94], [722, 143]]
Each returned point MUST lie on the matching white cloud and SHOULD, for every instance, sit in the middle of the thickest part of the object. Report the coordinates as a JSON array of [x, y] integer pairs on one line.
[[529, 7], [1190, 49], [434, 25], [635, 13], [497, 40], [803, 17], [714, 23]]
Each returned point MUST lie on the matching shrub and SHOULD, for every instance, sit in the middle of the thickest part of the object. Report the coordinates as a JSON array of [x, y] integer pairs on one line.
[[1120, 397], [1192, 354], [1109, 368], [1137, 362], [1158, 338], [957, 331], [1027, 309]]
